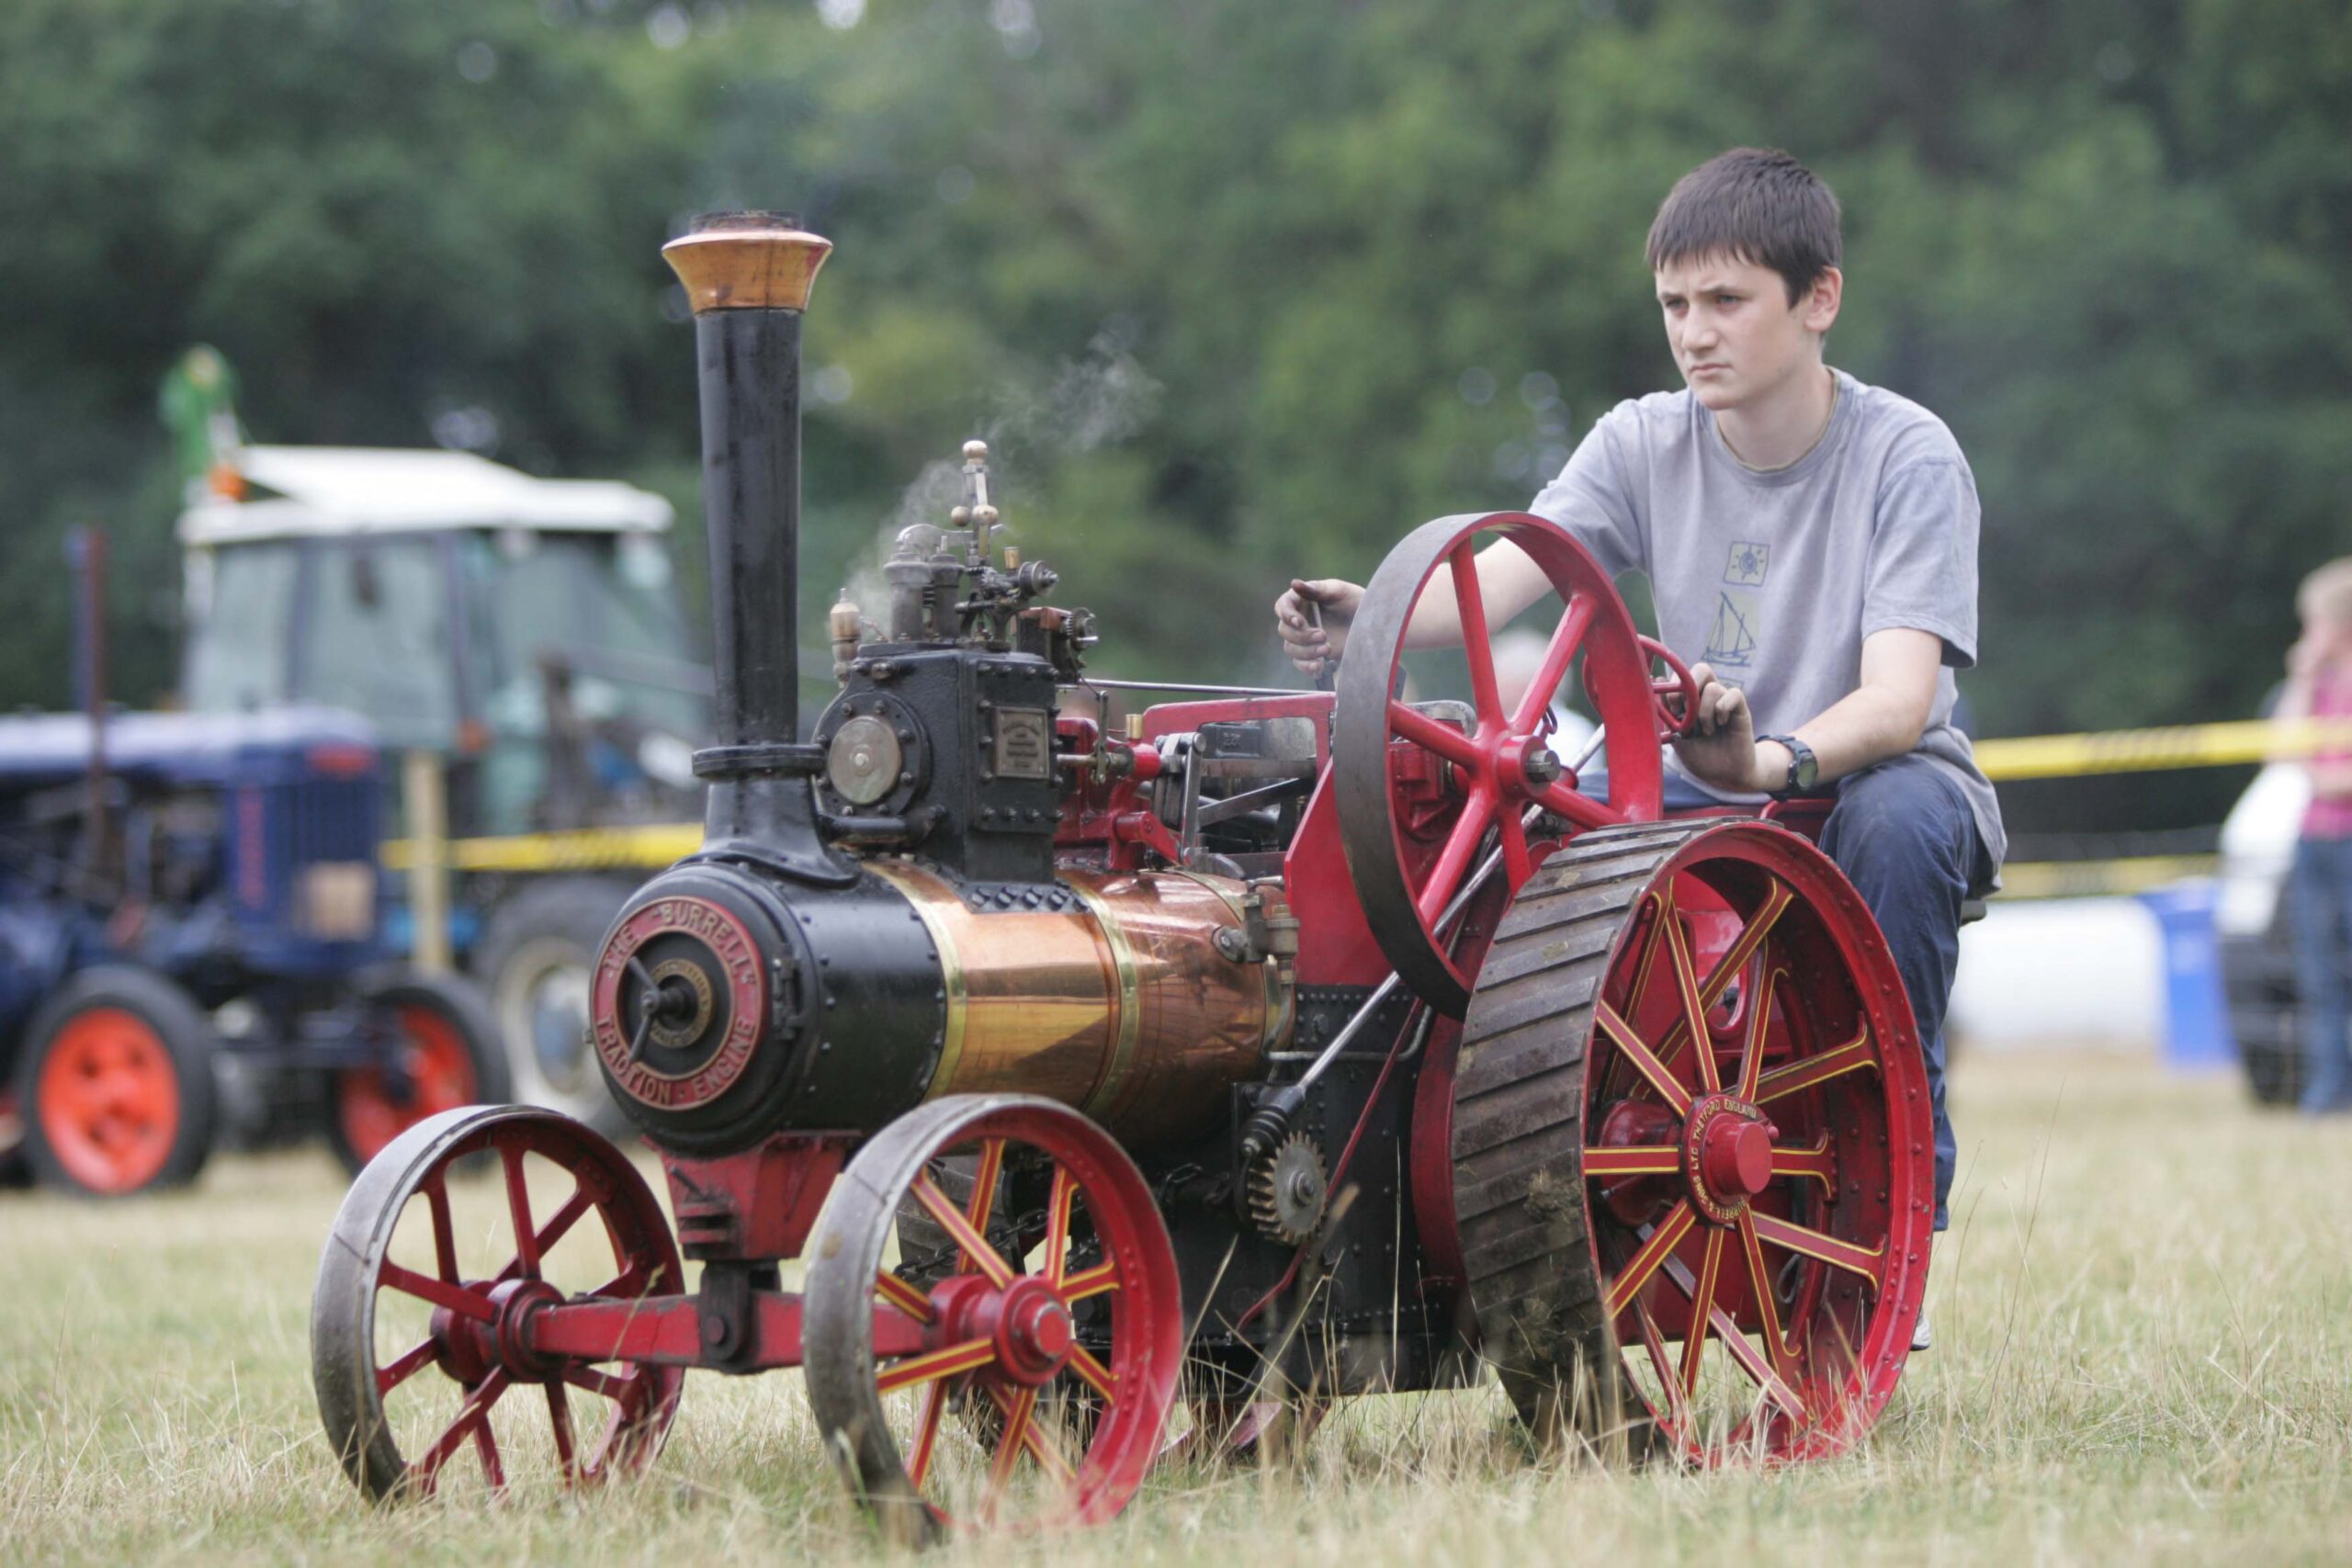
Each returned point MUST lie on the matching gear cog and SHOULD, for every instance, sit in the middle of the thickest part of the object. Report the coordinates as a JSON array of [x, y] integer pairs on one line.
[[1287, 1189]]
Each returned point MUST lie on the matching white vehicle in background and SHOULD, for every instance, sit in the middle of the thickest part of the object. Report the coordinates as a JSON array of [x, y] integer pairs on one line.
[[2252, 921], [525, 631]]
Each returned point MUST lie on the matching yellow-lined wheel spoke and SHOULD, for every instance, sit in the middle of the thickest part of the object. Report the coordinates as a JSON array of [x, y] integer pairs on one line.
[[906, 1297], [948, 1362], [1093, 1372], [973, 1250], [1815, 1162], [1633, 1160], [1058, 1207], [1644, 1263], [1694, 1008], [1767, 1305], [1644, 1060], [1702, 1305], [1805, 1072], [1867, 1262], [1104, 1276]]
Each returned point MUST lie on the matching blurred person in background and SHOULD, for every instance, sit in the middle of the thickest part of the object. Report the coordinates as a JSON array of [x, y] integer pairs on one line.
[[2319, 685], [1813, 537]]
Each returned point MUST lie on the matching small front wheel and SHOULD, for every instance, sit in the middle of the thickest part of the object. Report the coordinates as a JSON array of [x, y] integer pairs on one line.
[[465, 1226], [1057, 1333]]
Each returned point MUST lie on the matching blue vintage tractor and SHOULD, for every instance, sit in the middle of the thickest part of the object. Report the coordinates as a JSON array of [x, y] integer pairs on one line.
[[192, 887]]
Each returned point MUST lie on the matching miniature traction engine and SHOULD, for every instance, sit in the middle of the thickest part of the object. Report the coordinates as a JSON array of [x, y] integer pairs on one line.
[[1012, 1077]]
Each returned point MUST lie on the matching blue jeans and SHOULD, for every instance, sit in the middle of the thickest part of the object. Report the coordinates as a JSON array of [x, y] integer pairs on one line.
[[1903, 835], [2319, 894]]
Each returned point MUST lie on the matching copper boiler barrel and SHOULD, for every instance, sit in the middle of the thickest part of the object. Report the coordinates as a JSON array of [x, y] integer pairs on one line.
[[1105, 990]]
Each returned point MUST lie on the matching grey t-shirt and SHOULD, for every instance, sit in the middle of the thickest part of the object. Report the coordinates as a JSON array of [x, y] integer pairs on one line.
[[1774, 578]]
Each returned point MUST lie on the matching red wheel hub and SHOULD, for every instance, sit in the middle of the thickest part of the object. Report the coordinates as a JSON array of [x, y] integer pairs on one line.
[[1726, 1155], [108, 1100], [435, 1072]]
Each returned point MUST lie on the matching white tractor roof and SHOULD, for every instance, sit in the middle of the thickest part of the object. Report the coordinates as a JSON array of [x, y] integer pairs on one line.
[[310, 492]]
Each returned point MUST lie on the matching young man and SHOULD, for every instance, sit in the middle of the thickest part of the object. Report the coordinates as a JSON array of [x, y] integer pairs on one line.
[[1813, 538]]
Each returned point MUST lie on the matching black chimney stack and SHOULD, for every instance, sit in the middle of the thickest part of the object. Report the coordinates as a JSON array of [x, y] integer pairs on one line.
[[747, 276]]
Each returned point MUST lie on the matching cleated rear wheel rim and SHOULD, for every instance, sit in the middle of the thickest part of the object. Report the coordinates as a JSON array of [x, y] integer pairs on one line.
[[1754, 1214]]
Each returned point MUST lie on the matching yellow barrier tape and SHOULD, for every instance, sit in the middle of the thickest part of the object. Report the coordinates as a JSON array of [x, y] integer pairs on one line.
[[2025, 757], [2149, 751], [581, 849], [2100, 878]]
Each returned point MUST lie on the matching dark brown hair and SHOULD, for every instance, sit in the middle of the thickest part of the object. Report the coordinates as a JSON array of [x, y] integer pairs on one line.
[[1755, 205]]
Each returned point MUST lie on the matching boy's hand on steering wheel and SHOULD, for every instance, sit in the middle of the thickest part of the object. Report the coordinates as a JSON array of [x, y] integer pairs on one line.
[[1720, 749], [1313, 647]]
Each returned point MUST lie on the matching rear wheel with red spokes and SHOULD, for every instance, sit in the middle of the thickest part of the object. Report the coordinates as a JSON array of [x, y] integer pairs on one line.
[[1054, 1337], [1425, 796], [1691, 1154], [456, 1234]]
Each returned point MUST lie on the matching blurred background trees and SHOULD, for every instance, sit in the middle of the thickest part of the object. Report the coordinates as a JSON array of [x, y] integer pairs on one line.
[[1236, 289]]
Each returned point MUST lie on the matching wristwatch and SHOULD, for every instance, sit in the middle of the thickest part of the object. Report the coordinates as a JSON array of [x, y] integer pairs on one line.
[[1804, 766]]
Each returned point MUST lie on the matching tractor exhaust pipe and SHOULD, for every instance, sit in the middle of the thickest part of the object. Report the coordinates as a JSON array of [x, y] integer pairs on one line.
[[747, 276]]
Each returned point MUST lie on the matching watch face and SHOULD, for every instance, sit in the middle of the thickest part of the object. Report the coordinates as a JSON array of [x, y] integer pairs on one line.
[[1803, 767]]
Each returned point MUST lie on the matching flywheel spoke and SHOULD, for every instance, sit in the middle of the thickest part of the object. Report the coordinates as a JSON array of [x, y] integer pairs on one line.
[[1867, 1262], [1566, 638], [1651, 1254], [1579, 809], [1518, 865], [1433, 735], [1805, 1072], [1477, 641], [1453, 861]]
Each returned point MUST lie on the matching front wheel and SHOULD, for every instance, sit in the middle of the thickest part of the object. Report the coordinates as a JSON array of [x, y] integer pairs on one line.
[[1062, 1340], [438, 1050], [455, 1232], [115, 1084]]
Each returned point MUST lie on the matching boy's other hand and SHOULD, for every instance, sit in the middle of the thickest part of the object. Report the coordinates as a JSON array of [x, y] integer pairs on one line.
[[1720, 749], [1312, 646]]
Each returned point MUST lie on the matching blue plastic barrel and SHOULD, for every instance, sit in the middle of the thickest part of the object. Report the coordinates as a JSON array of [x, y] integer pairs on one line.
[[2197, 1015]]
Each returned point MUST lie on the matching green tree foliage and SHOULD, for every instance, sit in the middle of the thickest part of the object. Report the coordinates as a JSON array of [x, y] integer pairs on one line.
[[1236, 289]]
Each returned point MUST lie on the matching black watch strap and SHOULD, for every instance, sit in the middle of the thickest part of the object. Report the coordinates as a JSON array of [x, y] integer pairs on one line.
[[1804, 766]]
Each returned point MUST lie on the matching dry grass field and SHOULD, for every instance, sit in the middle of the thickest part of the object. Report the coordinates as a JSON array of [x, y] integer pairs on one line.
[[2145, 1319]]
